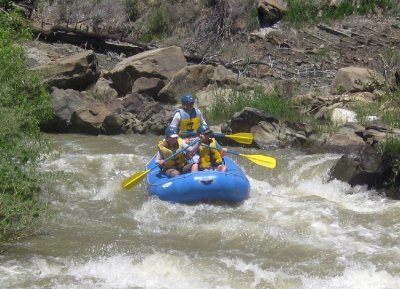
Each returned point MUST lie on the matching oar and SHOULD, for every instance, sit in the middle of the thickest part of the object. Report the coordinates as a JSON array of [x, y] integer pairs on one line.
[[133, 180], [241, 137], [265, 161]]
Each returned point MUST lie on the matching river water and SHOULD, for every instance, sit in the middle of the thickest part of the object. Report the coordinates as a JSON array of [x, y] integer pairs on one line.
[[295, 231]]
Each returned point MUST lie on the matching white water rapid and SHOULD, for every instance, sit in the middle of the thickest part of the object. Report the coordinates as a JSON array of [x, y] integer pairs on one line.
[[295, 231]]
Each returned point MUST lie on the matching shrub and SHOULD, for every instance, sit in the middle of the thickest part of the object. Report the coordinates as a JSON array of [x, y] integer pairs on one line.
[[386, 108], [226, 105], [158, 21], [253, 20], [132, 9], [301, 12], [390, 146], [24, 103]]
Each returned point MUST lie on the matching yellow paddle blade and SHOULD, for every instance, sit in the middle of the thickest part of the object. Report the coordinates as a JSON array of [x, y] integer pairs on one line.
[[134, 179], [241, 137], [265, 161]]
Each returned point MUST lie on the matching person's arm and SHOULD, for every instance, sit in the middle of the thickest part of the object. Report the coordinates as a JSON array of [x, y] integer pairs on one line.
[[191, 149], [202, 119], [158, 156], [175, 120], [159, 159], [221, 149]]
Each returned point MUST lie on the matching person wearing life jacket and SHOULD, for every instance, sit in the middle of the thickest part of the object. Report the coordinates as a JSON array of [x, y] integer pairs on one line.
[[167, 147], [187, 118], [211, 153]]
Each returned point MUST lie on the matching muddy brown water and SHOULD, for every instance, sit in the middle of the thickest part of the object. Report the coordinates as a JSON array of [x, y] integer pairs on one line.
[[295, 231]]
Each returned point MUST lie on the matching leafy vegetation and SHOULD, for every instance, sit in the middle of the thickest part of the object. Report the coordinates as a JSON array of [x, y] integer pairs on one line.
[[157, 24], [24, 103], [253, 20], [278, 106], [390, 146], [387, 108], [132, 9], [312, 11]]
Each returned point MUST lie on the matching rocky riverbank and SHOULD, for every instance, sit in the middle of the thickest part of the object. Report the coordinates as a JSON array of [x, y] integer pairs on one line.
[[326, 68]]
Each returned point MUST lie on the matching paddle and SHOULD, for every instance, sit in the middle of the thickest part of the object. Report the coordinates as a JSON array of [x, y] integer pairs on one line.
[[133, 180], [241, 137], [265, 161]]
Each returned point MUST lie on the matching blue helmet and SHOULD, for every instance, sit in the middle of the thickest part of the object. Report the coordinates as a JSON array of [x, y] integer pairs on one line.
[[204, 129], [171, 131], [188, 98]]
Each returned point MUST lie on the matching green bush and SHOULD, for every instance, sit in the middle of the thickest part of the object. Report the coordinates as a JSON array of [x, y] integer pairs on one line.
[[387, 108], [390, 146], [157, 24], [132, 9], [373, 6], [302, 12], [24, 103], [253, 20], [278, 106]]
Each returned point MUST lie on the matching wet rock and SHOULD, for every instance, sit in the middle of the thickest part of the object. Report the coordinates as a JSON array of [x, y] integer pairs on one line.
[[77, 71]]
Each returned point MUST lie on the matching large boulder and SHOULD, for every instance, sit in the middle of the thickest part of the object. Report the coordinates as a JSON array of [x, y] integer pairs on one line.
[[89, 120], [270, 11], [245, 119], [148, 87], [356, 79], [188, 80], [340, 116], [77, 112], [64, 104], [114, 124], [370, 168], [152, 115], [346, 140], [201, 79], [162, 63], [265, 134], [77, 71], [103, 90]]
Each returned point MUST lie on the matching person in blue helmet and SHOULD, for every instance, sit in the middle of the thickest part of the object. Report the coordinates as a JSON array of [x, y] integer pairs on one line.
[[187, 118], [210, 152], [167, 147]]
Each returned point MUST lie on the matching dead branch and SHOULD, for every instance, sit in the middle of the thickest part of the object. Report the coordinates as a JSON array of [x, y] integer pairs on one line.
[[332, 30], [96, 41], [315, 36]]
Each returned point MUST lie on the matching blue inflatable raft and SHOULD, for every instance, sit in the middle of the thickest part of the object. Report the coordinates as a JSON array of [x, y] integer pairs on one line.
[[229, 186]]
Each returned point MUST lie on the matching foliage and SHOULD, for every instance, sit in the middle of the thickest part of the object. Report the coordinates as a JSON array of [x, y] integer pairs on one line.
[[390, 146], [157, 24], [301, 12], [132, 9], [24, 103], [253, 21], [387, 108], [6, 4], [387, 6], [275, 104]]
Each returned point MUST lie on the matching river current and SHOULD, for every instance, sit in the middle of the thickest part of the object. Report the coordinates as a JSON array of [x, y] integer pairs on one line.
[[296, 230]]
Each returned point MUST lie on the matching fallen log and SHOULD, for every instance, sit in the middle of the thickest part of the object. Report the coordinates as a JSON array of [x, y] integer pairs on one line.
[[332, 30], [89, 40]]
